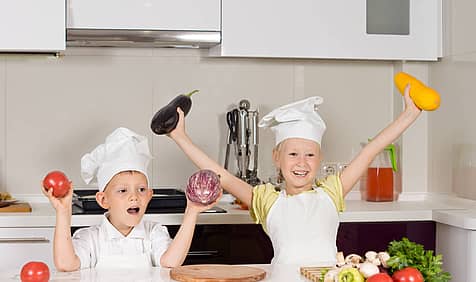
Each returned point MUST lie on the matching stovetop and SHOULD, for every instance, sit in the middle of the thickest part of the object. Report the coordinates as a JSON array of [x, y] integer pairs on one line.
[[163, 201]]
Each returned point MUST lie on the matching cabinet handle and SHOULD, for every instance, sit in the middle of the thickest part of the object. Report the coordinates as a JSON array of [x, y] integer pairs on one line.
[[25, 240], [202, 253]]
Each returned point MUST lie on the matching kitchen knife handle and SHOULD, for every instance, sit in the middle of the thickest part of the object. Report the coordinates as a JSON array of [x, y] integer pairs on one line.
[[25, 240]]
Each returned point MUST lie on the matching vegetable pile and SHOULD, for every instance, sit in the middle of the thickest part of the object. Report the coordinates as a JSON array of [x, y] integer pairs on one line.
[[403, 261]]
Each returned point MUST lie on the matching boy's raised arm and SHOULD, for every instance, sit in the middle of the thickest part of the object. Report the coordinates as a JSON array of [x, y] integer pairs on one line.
[[229, 182], [360, 163], [65, 258], [178, 249]]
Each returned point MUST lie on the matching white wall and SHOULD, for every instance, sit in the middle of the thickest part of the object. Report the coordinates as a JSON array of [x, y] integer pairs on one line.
[[56, 109], [452, 129]]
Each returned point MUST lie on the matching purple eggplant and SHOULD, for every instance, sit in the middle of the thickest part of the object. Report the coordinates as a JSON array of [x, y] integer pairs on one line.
[[166, 119]]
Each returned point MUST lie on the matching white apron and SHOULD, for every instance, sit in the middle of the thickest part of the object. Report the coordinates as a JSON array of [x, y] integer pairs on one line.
[[303, 229], [130, 260]]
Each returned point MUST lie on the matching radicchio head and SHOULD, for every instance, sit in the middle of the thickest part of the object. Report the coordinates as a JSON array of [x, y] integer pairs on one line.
[[203, 187]]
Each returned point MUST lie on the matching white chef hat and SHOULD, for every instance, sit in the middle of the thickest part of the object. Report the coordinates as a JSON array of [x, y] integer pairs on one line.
[[296, 120], [123, 150]]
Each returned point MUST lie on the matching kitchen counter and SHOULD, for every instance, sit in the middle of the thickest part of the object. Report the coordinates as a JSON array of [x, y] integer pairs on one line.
[[449, 210], [279, 273]]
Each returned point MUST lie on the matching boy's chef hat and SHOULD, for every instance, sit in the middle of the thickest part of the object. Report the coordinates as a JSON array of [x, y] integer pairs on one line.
[[123, 150], [296, 120]]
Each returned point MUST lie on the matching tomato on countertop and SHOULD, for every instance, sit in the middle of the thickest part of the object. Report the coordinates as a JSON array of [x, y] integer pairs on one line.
[[380, 277], [35, 271], [408, 274]]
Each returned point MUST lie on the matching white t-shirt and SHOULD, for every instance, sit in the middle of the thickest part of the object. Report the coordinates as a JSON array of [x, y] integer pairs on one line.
[[104, 239]]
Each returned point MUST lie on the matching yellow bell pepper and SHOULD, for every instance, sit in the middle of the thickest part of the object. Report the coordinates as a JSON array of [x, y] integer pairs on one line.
[[423, 96]]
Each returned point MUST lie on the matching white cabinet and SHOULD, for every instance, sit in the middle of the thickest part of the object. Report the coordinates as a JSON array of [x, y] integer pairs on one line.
[[21, 245], [144, 14], [458, 247], [342, 29], [32, 25]]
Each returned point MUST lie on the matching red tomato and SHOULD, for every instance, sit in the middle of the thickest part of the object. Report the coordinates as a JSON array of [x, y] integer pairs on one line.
[[35, 271], [58, 181], [407, 274], [380, 277]]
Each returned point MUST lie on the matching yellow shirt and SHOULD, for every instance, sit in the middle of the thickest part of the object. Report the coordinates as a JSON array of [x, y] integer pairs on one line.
[[265, 195]]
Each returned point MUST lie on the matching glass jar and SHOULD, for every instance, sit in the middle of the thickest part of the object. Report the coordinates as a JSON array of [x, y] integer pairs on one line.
[[381, 176]]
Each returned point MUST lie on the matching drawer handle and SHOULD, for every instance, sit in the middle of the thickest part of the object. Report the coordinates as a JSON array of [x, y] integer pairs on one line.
[[25, 240], [202, 253]]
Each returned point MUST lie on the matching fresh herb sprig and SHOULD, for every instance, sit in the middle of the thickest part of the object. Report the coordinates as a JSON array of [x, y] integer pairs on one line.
[[405, 253]]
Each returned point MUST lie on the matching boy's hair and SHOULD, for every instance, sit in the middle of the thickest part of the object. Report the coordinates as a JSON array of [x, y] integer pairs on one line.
[[126, 171]]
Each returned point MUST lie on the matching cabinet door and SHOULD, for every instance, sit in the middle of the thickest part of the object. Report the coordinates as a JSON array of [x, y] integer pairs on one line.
[[145, 14], [32, 25], [22, 245], [345, 29]]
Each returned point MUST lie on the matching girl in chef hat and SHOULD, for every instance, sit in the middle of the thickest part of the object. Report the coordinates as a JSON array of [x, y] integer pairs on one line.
[[123, 239], [302, 219]]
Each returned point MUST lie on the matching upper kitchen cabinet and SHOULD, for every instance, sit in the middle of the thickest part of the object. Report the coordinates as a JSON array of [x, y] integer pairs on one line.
[[32, 26], [340, 29], [144, 23]]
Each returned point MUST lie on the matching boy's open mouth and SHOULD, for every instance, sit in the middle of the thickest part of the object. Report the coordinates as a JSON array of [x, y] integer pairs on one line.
[[133, 210]]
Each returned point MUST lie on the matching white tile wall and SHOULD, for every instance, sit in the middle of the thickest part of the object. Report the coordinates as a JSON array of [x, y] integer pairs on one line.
[[452, 129], [57, 109]]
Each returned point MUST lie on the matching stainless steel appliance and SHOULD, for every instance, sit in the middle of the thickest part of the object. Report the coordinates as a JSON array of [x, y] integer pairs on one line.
[[163, 201], [243, 137]]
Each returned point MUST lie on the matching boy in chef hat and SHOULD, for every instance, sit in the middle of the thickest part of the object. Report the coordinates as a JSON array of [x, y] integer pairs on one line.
[[302, 219], [123, 239]]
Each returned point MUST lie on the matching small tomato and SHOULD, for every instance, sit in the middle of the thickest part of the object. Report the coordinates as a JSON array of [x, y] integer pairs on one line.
[[380, 277], [57, 181], [35, 271], [407, 274]]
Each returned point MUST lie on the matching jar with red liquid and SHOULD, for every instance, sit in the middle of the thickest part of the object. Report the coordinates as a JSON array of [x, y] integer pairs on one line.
[[381, 176]]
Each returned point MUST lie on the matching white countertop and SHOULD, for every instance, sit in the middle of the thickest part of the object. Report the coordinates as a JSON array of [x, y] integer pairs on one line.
[[281, 273], [444, 209]]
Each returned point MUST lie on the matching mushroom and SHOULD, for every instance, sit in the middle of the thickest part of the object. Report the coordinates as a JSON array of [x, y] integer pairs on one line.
[[370, 255], [383, 257], [375, 261], [368, 269], [331, 275], [340, 259], [353, 259]]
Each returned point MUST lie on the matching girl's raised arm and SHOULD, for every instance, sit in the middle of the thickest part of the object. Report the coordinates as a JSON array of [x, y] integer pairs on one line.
[[360, 163]]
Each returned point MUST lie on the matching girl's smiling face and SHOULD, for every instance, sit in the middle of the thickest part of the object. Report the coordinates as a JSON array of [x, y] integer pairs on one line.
[[126, 198], [298, 159]]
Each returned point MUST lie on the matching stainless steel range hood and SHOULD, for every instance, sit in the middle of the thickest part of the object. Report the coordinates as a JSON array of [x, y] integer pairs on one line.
[[141, 38], [143, 23]]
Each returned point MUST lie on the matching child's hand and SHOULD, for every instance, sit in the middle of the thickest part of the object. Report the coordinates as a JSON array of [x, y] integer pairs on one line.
[[61, 205], [180, 128], [198, 208], [409, 104]]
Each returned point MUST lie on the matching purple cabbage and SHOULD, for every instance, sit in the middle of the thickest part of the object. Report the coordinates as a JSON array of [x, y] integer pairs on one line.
[[203, 187]]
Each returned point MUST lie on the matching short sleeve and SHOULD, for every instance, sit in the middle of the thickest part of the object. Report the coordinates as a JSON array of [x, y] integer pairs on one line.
[[83, 247], [264, 196], [332, 185], [160, 240]]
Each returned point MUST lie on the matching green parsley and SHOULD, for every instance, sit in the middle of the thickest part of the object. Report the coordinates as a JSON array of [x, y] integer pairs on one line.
[[405, 253]]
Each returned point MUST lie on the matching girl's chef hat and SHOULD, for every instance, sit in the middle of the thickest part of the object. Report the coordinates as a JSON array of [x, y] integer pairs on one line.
[[296, 120], [123, 150]]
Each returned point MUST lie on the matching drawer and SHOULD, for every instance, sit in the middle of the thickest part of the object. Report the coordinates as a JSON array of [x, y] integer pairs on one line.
[[22, 245]]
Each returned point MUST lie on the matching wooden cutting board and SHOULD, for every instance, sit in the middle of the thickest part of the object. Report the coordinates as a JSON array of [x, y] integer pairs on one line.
[[216, 272], [17, 207]]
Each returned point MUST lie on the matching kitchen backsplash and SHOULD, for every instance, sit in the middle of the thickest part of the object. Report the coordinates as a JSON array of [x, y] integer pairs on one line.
[[56, 109]]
